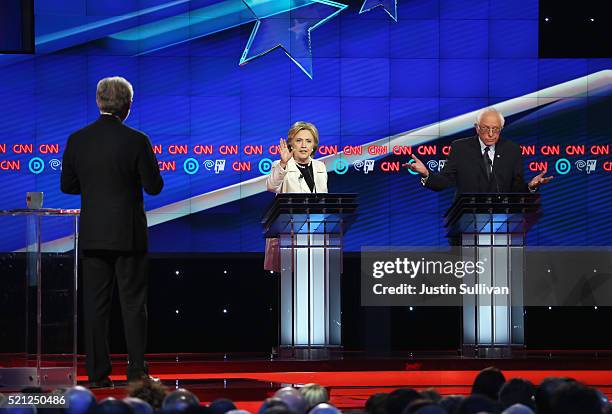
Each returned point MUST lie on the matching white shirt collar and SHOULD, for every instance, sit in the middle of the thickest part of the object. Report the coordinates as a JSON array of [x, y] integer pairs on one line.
[[483, 146]]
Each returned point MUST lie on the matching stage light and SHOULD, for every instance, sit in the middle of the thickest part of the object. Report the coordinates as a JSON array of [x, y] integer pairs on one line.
[[225, 272], [595, 307], [411, 308], [176, 272], [550, 308], [592, 19], [546, 19], [224, 310], [594, 270], [176, 311]]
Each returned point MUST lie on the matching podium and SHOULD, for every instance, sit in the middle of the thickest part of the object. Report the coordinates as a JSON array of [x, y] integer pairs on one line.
[[492, 228], [38, 304], [310, 228]]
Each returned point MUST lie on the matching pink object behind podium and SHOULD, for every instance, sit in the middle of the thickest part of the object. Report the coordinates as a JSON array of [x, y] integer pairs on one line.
[[272, 258]]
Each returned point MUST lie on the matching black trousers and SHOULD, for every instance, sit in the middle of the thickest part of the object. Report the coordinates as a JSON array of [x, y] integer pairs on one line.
[[101, 270]]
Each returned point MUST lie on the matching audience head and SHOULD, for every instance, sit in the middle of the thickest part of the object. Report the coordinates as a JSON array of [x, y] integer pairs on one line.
[[293, 399], [451, 403], [181, 399], [112, 405], [545, 392], [79, 401], [324, 408], [377, 403], [488, 382], [221, 406], [139, 406], [431, 409], [279, 409], [605, 402], [475, 404], [314, 394], [399, 399], [431, 394], [271, 402], [518, 409], [151, 392], [574, 397], [197, 409], [423, 406], [517, 391]]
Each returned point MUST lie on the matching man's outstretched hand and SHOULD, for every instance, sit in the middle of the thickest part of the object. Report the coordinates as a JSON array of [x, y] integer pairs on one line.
[[416, 166], [538, 180]]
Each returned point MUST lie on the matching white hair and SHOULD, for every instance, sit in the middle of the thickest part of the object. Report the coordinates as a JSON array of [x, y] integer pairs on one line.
[[314, 394], [114, 94], [490, 110]]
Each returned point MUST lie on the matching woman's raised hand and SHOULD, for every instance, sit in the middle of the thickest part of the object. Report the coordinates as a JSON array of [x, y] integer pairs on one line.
[[285, 153]]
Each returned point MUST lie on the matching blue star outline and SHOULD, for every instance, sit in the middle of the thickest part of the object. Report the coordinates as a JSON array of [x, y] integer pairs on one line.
[[289, 30], [389, 6]]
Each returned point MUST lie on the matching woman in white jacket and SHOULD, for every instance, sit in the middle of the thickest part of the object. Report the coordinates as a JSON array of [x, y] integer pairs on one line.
[[295, 172]]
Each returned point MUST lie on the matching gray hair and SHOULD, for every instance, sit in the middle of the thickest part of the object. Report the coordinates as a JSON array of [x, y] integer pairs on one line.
[[493, 110], [114, 94], [314, 394]]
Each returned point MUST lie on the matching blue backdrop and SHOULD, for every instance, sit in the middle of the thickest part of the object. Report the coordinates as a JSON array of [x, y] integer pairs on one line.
[[11, 26], [202, 77]]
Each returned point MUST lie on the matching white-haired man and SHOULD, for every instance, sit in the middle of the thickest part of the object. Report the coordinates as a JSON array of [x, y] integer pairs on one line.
[[109, 164], [483, 163]]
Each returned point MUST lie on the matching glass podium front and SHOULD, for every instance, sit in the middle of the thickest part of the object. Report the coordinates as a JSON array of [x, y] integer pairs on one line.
[[38, 298]]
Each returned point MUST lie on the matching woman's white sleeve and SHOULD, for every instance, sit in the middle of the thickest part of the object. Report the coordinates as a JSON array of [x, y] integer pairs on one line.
[[274, 182]]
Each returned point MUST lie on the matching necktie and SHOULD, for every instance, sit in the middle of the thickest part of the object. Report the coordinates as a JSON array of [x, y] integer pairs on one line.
[[487, 162]]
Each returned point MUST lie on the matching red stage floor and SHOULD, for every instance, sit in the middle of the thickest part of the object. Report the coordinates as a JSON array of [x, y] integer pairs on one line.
[[352, 378]]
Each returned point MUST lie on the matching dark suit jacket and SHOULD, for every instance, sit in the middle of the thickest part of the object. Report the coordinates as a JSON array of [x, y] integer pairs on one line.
[[465, 169], [109, 164]]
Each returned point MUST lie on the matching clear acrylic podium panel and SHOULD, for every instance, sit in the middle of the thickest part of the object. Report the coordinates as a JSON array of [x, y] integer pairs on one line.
[[499, 240], [311, 264], [38, 301]]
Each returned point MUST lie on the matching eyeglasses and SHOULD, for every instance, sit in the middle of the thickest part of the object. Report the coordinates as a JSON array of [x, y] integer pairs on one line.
[[492, 130]]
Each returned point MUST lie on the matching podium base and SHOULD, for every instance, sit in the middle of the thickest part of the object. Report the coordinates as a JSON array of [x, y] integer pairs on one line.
[[490, 351], [307, 353], [22, 377]]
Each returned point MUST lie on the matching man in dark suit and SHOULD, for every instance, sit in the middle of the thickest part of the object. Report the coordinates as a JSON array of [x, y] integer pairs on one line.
[[109, 164], [481, 164]]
